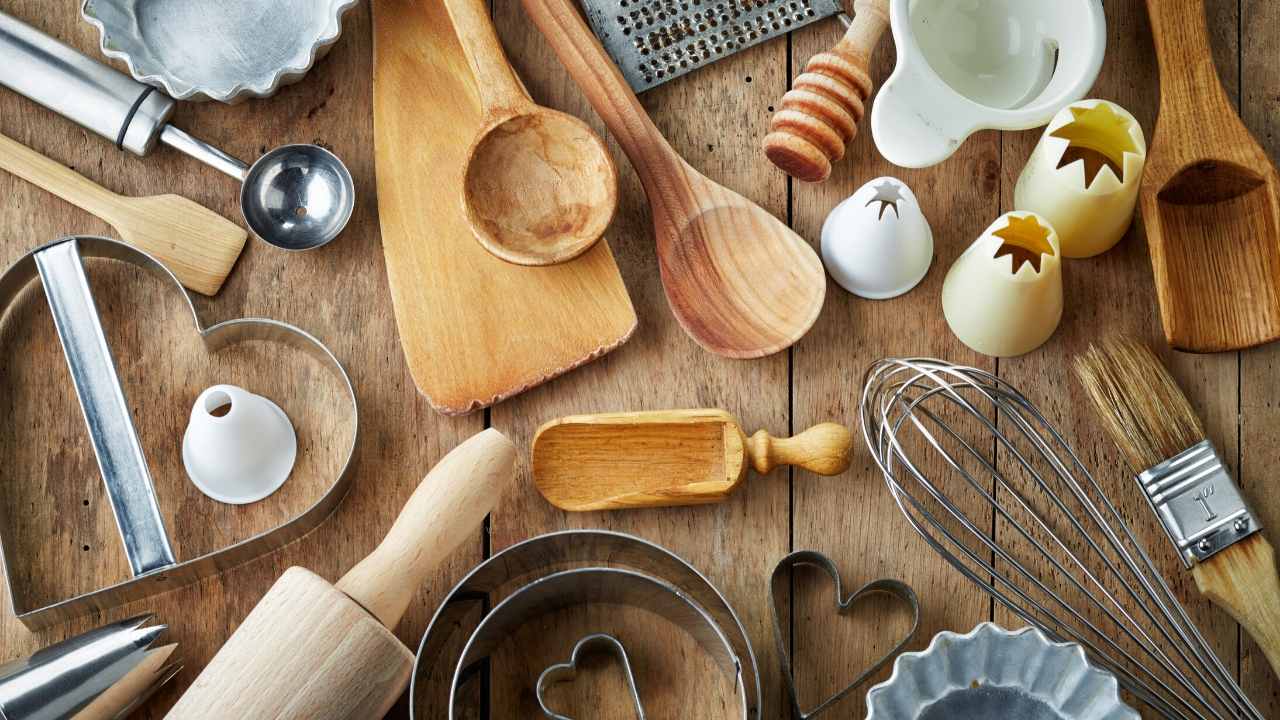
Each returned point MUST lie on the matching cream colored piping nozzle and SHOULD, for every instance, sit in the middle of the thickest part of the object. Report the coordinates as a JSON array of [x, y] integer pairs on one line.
[[877, 244], [1003, 295], [1084, 174]]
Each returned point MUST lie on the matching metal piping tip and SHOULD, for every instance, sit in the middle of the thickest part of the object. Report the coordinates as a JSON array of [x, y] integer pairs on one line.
[[103, 674]]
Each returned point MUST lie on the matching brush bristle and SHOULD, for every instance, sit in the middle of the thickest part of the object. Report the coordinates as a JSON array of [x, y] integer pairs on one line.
[[1140, 404]]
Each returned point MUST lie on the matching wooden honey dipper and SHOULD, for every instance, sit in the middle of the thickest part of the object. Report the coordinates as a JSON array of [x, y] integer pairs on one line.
[[819, 115]]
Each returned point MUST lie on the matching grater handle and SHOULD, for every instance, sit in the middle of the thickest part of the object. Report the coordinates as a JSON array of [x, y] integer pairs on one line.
[[819, 116], [498, 85], [608, 92], [106, 411]]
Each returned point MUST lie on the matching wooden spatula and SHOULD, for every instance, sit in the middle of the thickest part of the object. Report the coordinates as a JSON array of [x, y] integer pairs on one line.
[[666, 458], [1209, 199], [198, 245], [740, 282]]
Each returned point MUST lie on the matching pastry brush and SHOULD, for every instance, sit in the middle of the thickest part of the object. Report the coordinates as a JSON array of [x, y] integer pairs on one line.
[[1185, 481]]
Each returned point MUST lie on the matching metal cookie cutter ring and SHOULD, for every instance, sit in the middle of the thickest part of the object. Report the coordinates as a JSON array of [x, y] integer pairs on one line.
[[778, 585], [549, 572], [567, 671], [115, 440]]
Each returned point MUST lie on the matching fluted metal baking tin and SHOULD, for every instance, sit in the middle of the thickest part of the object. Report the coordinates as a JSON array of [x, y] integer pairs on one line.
[[225, 51], [993, 672]]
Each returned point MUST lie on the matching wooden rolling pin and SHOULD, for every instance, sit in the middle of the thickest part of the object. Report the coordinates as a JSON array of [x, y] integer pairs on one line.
[[819, 115], [672, 457], [315, 651]]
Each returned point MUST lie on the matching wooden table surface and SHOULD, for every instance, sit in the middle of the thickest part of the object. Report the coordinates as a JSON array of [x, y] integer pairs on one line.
[[54, 502]]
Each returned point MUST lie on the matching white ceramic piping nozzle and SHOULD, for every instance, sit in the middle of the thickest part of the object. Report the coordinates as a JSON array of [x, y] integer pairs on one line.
[[1003, 295], [969, 65], [1071, 178], [239, 447], [877, 244]]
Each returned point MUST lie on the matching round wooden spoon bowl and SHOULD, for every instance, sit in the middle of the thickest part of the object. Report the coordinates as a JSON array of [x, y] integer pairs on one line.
[[540, 187]]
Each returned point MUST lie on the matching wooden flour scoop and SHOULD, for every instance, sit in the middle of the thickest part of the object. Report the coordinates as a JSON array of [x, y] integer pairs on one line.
[[675, 457], [315, 651], [1209, 199]]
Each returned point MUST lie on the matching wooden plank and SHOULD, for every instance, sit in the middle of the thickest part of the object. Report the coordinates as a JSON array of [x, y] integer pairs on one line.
[[715, 118], [853, 518], [1259, 411], [163, 370]]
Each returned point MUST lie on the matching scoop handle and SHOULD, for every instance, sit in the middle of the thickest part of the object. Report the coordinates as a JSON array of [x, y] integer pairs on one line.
[[447, 506], [825, 449], [81, 89]]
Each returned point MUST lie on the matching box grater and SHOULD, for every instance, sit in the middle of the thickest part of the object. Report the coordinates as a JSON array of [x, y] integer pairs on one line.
[[653, 41]]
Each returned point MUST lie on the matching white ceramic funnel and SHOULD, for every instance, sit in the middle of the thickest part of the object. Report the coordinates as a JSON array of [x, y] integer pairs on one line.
[[239, 447], [1083, 176], [969, 65], [877, 244], [1000, 309]]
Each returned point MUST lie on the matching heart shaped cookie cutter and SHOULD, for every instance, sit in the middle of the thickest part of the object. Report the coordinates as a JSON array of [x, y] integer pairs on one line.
[[115, 440], [780, 583], [567, 671]]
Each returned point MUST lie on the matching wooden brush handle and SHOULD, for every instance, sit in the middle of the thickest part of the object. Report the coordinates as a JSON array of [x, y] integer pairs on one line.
[[821, 112], [657, 164], [825, 449], [447, 506], [1242, 580]]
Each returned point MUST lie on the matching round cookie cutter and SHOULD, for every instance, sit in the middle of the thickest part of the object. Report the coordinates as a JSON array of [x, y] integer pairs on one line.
[[640, 574], [115, 440]]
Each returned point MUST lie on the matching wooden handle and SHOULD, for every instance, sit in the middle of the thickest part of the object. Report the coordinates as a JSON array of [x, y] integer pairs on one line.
[[819, 116], [1242, 580], [58, 179], [501, 91], [825, 449], [1190, 88], [591, 67], [441, 514]]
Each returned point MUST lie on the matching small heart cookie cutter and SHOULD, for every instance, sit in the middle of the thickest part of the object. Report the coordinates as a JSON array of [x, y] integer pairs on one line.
[[780, 581], [567, 671], [115, 439]]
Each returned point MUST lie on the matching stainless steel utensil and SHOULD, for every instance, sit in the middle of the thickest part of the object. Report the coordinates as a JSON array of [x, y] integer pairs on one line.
[[993, 487], [99, 675], [296, 197], [225, 51], [653, 41]]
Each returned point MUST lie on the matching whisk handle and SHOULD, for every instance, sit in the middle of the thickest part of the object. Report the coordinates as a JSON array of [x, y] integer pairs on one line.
[[821, 112], [825, 449], [1242, 580]]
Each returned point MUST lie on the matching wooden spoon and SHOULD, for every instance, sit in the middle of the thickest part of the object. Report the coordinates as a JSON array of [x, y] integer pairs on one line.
[[198, 245], [740, 282], [1210, 199], [666, 458], [540, 185]]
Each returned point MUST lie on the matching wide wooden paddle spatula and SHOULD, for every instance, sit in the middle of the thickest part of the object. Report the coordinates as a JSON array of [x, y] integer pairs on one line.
[[315, 651], [198, 245], [665, 458], [740, 282], [1210, 199]]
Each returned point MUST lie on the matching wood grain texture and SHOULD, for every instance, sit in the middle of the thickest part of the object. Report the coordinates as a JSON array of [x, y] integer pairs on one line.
[[819, 115], [1210, 199], [667, 458], [1242, 580], [197, 244], [736, 299], [538, 323]]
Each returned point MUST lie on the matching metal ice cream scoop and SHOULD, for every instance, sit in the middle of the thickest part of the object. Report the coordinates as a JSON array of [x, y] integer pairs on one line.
[[295, 197]]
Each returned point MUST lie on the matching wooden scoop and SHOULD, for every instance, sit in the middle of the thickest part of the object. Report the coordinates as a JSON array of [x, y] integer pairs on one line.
[[740, 282], [667, 458], [198, 245], [1209, 199], [540, 186], [315, 651]]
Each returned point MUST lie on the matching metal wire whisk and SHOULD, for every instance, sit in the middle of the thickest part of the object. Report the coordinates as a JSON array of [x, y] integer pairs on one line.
[[993, 487]]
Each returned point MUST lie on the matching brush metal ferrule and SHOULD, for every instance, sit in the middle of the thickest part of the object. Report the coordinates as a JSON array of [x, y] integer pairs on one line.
[[1198, 503]]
